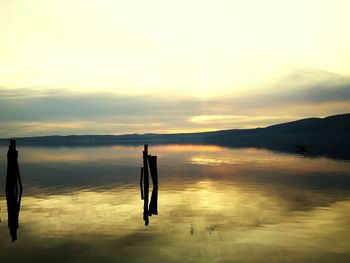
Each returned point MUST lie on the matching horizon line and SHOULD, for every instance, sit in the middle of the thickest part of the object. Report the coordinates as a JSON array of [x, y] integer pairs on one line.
[[150, 133]]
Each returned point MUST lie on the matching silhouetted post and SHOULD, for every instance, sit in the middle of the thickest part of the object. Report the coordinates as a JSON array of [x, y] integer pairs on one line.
[[151, 162], [13, 189], [153, 206], [141, 179], [145, 185]]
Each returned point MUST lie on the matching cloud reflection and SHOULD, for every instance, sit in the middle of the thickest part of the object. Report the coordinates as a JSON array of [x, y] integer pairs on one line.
[[251, 205], [228, 220]]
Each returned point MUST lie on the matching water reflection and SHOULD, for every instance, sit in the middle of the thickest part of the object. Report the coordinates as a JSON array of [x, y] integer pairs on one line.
[[226, 221], [254, 206]]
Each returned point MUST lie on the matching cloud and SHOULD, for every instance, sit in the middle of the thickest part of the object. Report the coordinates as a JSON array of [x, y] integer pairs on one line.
[[313, 87], [44, 111], [305, 86]]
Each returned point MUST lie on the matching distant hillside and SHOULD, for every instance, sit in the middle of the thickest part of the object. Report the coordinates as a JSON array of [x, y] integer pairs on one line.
[[76, 140], [322, 136], [327, 136]]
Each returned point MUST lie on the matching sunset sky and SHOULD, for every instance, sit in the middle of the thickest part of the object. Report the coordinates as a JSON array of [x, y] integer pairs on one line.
[[113, 67]]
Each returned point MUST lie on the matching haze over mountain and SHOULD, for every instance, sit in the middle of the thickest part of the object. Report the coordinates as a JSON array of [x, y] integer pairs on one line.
[[321, 136]]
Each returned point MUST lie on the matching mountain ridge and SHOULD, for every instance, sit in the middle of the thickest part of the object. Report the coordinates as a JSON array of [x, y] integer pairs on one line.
[[328, 135]]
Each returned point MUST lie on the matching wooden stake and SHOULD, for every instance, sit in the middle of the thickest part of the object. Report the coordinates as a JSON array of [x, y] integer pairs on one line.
[[145, 185], [141, 184], [153, 206]]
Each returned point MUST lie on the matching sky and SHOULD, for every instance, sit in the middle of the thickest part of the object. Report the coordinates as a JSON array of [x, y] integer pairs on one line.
[[114, 67]]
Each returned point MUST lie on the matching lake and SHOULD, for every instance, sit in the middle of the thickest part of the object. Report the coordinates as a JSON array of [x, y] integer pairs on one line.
[[216, 204]]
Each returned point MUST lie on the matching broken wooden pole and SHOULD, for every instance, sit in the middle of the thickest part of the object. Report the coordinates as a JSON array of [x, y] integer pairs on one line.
[[153, 206], [141, 184], [145, 185], [151, 162], [13, 190]]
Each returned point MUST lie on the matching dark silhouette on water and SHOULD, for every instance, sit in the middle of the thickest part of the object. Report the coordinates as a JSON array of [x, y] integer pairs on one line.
[[145, 185], [300, 148], [151, 208], [141, 179], [153, 205], [13, 190]]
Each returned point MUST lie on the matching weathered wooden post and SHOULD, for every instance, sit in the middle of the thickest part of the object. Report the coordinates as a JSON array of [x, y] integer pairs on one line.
[[141, 183], [152, 208], [13, 190], [145, 185]]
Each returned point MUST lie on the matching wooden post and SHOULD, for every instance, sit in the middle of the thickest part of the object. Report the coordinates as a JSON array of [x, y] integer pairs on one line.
[[13, 190], [141, 183], [145, 185], [153, 206], [151, 162]]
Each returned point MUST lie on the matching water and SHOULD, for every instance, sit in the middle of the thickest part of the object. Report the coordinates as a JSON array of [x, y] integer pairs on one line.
[[215, 205]]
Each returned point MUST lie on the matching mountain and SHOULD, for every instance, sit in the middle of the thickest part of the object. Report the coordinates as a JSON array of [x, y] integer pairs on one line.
[[326, 136], [76, 140], [321, 136]]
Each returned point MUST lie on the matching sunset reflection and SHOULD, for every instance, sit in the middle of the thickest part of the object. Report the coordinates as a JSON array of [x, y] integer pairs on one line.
[[214, 204], [235, 216]]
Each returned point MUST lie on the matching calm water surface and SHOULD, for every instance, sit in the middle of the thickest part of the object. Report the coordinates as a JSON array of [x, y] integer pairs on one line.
[[215, 205]]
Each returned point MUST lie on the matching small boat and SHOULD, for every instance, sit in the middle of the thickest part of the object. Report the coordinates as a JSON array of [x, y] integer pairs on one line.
[[300, 148]]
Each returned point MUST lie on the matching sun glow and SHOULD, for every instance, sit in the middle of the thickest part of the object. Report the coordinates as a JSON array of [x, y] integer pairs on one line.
[[208, 48], [214, 63]]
